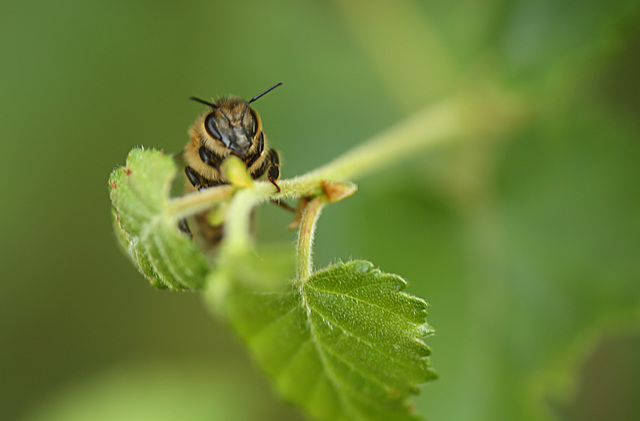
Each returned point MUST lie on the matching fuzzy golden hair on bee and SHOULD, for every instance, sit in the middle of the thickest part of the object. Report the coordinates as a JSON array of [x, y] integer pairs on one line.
[[214, 131], [229, 127]]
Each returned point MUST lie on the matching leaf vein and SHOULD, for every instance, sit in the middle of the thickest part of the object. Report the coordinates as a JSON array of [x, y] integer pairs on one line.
[[292, 358], [384, 310], [263, 328], [354, 368], [370, 344], [367, 285], [346, 405]]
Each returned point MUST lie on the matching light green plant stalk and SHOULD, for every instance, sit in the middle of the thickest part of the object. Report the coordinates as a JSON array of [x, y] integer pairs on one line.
[[304, 265]]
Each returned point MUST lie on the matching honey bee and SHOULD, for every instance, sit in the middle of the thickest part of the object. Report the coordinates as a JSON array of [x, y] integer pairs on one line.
[[229, 127]]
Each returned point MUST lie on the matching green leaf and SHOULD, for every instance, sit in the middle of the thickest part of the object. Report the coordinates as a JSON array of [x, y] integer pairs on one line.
[[144, 227], [344, 345]]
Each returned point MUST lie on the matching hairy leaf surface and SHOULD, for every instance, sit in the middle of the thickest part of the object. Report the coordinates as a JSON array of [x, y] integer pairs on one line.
[[150, 236], [345, 344]]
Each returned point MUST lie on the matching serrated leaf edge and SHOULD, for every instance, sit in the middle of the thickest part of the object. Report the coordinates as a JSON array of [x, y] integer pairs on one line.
[[335, 382]]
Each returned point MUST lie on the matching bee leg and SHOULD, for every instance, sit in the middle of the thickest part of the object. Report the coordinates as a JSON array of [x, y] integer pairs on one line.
[[284, 205], [195, 181], [209, 158], [273, 173], [193, 178], [184, 227], [204, 155]]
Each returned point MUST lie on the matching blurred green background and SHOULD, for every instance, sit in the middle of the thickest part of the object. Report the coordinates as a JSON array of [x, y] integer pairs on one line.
[[526, 243]]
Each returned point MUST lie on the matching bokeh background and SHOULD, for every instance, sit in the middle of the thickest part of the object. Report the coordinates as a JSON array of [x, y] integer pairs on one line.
[[526, 242]]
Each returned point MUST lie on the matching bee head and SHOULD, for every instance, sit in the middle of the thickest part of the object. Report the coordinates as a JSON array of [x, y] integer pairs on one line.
[[233, 123]]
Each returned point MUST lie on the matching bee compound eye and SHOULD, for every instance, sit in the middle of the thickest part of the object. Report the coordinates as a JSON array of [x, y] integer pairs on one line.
[[251, 122], [212, 127]]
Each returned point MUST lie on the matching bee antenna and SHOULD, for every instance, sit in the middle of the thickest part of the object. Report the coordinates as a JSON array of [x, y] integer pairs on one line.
[[212, 105], [255, 98], [202, 101]]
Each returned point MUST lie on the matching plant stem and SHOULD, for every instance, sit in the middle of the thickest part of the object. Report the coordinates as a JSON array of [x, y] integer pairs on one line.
[[199, 201], [437, 124], [238, 220], [305, 238]]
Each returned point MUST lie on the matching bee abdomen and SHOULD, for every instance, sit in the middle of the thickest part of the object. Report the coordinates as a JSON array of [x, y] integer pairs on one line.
[[210, 235]]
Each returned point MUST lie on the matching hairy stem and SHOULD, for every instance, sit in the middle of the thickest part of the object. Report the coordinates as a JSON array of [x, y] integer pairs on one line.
[[435, 125], [199, 201], [238, 221], [305, 238]]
